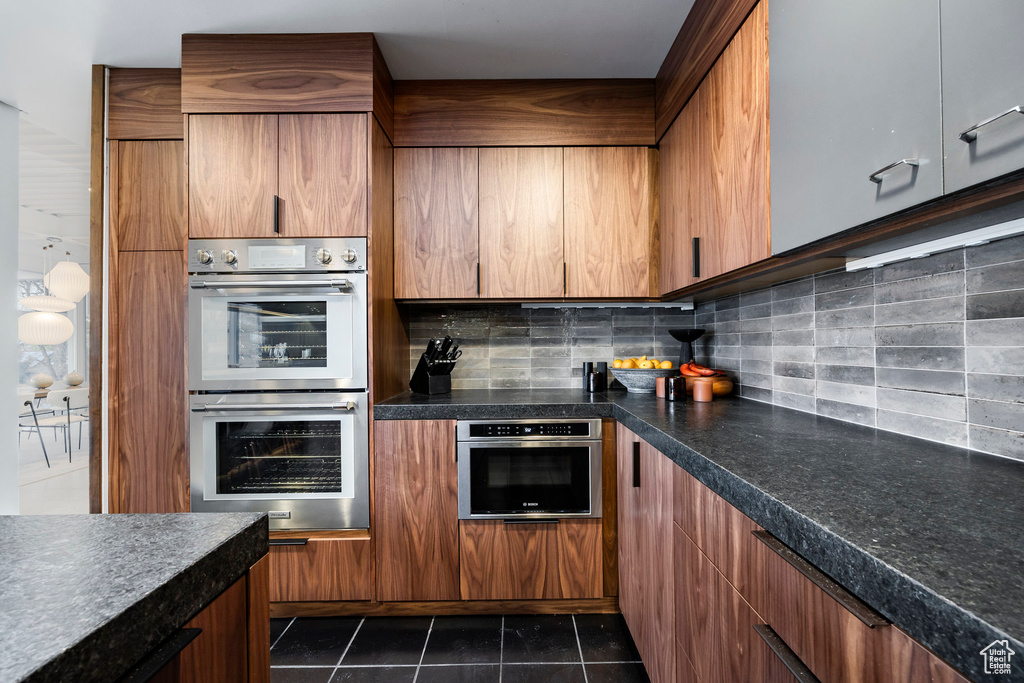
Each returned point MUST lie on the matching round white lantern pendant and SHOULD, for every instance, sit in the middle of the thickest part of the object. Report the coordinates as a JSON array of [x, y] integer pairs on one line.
[[44, 328], [42, 302], [68, 281]]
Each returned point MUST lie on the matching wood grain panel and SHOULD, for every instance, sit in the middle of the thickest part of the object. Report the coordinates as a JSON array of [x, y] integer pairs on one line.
[[232, 167], [548, 112], [708, 28], [685, 672], [97, 367], [388, 336], [501, 561], [724, 535], [436, 223], [144, 104], [608, 221], [655, 552], [150, 195], [151, 437], [220, 653], [268, 73], [631, 565], [717, 625], [521, 223], [446, 607], [417, 510], [609, 498], [682, 184], [322, 168], [383, 92], [257, 584], [323, 569], [910, 662], [735, 128]]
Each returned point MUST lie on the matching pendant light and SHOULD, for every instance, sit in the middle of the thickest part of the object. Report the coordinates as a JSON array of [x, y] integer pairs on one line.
[[67, 280], [44, 327], [45, 302]]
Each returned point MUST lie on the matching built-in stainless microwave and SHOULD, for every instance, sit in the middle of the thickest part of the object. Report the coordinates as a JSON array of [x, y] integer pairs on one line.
[[529, 469]]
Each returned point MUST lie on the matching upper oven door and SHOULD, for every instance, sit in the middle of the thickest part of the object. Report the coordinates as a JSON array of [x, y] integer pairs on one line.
[[260, 332]]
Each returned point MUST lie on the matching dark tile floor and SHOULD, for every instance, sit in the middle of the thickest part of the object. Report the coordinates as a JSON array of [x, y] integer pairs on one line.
[[589, 648]]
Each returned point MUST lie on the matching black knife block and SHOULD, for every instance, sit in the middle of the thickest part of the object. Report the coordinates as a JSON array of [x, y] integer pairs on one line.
[[423, 382]]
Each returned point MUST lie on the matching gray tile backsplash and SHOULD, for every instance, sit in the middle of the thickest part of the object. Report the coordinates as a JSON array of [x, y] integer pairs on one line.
[[932, 347]]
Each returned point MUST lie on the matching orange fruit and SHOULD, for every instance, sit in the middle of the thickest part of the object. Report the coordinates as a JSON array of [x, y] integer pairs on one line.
[[666, 365]]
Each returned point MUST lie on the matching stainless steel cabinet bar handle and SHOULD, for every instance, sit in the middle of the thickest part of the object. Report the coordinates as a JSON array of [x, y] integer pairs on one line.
[[343, 285], [876, 177], [348, 405], [971, 134], [777, 645]]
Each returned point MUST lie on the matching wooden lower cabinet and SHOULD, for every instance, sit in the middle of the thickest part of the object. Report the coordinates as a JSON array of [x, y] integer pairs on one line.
[[330, 566], [545, 561]]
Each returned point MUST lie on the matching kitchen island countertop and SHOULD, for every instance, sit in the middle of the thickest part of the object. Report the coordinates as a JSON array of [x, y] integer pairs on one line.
[[86, 597], [930, 535]]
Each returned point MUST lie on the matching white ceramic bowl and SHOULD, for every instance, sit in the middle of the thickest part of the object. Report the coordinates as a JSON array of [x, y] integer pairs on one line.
[[641, 381]]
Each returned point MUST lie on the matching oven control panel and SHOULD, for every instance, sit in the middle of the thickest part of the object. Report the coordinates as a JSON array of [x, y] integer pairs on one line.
[[277, 255], [475, 430]]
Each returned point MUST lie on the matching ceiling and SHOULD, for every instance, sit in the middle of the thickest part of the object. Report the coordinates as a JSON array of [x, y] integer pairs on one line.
[[47, 48]]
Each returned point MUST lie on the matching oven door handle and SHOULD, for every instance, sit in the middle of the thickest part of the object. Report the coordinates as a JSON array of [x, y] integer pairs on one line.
[[341, 284], [342, 405]]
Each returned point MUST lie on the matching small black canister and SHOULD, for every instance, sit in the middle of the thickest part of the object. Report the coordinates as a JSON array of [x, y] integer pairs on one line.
[[588, 368], [675, 388]]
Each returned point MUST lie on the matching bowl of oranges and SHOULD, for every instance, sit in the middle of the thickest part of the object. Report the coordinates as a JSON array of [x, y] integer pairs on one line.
[[639, 375]]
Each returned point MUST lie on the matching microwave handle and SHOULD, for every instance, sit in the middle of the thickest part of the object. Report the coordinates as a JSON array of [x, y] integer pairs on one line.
[[342, 284], [348, 405]]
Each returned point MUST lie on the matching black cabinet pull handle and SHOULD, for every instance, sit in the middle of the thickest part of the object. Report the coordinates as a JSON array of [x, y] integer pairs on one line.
[[288, 541], [161, 655], [565, 279], [785, 654], [870, 617], [696, 257], [531, 521], [636, 464], [277, 215], [478, 278]]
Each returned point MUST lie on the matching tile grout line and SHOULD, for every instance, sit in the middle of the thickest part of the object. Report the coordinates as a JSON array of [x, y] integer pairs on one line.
[[579, 647], [278, 639], [501, 650], [350, 641], [423, 652]]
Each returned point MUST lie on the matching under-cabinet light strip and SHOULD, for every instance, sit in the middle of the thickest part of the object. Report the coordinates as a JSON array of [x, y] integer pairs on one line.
[[681, 305], [965, 239]]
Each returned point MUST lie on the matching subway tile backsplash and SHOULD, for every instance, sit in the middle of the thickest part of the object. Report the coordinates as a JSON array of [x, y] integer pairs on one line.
[[932, 347]]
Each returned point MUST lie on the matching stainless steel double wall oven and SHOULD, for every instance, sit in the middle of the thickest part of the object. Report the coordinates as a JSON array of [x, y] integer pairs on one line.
[[278, 380]]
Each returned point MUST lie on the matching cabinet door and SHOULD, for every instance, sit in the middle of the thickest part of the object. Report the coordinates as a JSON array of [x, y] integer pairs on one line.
[[854, 88], [521, 223], [323, 175], [416, 510], [150, 189], [500, 561], [682, 178], [609, 230], [436, 223], [734, 129], [232, 175], [220, 653], [627, 446], [150, 466], [656, 537], [332, 565], [981, 78]]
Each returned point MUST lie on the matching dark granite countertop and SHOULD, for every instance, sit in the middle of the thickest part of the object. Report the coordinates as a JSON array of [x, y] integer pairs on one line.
[[931, 536], [85, 597]]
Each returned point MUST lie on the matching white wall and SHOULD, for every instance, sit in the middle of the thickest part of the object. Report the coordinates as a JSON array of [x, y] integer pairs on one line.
[[8, 294]]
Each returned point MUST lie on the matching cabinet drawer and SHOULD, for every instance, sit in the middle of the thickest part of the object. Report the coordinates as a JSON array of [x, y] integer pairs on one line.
[[723, 533], [324, 568], [500, 561]]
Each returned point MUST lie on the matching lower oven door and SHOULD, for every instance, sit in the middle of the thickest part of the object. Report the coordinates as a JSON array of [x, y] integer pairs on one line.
[[529, 479], [303, 458]]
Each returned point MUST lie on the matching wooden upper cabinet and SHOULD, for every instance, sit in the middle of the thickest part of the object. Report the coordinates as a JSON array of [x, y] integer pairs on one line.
[[322, 175], [521, 222], [436, 223], [681, 197], [232, 166], [610, 234], [735, 129], [149, 190]]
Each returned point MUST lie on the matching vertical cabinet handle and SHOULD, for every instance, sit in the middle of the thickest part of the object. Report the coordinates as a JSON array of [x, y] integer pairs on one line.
[[636, 464], [696, 257], [789, 659], [565, 279], [478, 278], [277, 215]]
